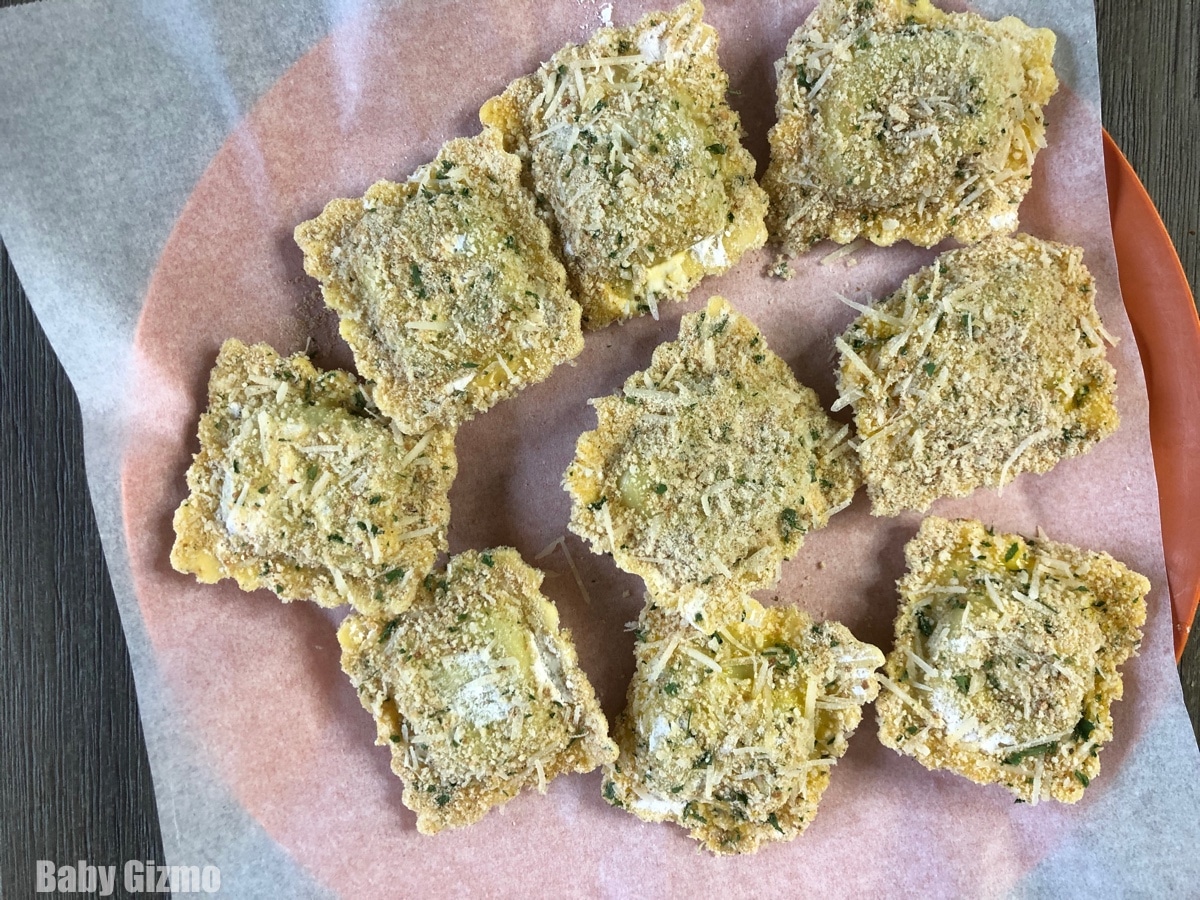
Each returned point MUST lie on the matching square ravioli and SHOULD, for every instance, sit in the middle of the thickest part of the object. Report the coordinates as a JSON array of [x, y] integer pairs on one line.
[[706, 471], [639, 159], [446, 286], [731, 731], [985, 364], [476, 690], [302, 488], [898, 121], [1005, 663]]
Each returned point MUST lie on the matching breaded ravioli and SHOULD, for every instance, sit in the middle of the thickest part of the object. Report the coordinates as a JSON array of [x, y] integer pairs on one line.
[[898, 121], [983, 365], [731, 731], [1005, 663], [476, 690], [301, 487], [446, 286], [708, 468], [639, 160]]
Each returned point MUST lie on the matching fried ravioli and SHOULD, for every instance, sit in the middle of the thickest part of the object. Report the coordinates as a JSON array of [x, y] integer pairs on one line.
[[449, 294], [731, 731], [898, 121], [302, 488], [476, 690], [708, 468], [986, 364], [639, 159], [1005, 664]]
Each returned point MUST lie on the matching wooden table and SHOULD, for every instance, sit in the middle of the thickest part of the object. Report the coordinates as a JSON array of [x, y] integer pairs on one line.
[[75, 782]]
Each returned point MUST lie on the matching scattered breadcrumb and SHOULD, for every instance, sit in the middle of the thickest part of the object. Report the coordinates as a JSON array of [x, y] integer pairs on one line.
[[301, 487], [782, 268], [731, 731], [898, 121], [708, 468], [476, 690], [1005, 663], [639, 160], [448, 291], [986, 364]]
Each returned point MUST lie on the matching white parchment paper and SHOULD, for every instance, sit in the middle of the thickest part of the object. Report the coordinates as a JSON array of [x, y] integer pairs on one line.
[[154, 159]]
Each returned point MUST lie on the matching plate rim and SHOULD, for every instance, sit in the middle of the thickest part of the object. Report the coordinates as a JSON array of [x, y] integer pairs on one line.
[[1166, 326]]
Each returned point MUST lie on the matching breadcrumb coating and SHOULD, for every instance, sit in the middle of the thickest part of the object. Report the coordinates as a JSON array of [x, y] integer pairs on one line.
[[1005, 663], [638, 159], [706, 471], [731, 731], [301, 487], [476, 690], [898, 121], [448, 291], [988, 363]]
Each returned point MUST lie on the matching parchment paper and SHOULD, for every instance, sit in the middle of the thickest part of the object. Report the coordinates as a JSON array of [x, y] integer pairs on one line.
[[154, 161]]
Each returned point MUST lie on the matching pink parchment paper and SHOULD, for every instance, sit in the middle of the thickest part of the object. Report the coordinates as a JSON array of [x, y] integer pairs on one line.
[[259, 683]]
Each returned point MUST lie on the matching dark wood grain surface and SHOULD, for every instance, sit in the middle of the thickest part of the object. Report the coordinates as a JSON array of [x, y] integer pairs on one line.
[[74, 782]]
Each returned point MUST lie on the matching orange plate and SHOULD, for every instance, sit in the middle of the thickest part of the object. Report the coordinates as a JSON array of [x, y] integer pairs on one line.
[[1163, 314]]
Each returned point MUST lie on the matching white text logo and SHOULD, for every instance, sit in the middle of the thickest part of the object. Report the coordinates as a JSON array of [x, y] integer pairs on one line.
[[138, 877]]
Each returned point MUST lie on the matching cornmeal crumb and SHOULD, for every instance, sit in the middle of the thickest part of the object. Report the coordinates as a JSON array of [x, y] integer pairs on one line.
[[448, 291], [1005, 663], [898, 121], [986, 364], [732, 727], [476, 690], [302, 488], [706, 471], [639, 160]]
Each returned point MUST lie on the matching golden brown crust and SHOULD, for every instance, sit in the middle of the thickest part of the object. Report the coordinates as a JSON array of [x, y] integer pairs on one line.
[[986, 364], [638, 159], [898, 121], [708, 469], [1005, 663], [731, 731], [302, 488], [476, 690], [446, 285]]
